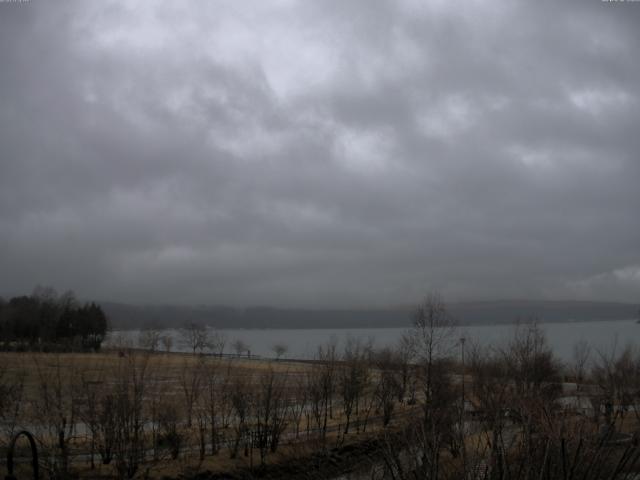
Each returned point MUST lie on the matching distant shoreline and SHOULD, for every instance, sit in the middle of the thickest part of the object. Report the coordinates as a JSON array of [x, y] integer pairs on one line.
[[132, 317], [388, 327]]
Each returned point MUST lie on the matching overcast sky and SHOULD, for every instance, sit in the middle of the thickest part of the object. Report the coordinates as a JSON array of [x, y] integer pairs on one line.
[[320, 153]]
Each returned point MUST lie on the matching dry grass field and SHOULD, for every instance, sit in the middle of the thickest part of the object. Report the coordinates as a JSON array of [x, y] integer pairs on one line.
[[187, 413], [127, 413]]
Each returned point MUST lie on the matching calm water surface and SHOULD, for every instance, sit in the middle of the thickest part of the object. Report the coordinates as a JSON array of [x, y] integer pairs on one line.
[[303, 343]]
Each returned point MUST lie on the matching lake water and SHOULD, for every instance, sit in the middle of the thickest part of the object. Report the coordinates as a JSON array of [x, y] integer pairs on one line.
[[303, 343]]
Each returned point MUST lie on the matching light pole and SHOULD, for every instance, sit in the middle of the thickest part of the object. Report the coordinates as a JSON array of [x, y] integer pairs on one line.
[[462, 439]]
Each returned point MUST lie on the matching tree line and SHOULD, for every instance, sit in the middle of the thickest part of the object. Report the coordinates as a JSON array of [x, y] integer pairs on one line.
[[46, 321]]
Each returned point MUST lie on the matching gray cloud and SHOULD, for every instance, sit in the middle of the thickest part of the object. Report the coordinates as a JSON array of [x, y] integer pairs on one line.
[[320, 153]]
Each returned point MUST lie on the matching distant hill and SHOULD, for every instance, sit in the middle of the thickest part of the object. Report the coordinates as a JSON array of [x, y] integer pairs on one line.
[[123, 316], [544, 311]]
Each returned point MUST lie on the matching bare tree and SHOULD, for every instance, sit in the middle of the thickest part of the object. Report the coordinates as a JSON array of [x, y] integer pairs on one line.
[[321, 386], [56, 408], [217, 342], [386, 390], [535, 374], [299, 402], [149, 339], [191, 377], [328, 357], [532, 365], [239, 347], [353, 377], [211, 402], [580, 359], [269, 413], [318, 401], [432, 338], [167, 342], [279, 349], [107, 426], [202, 422], [194, 337], [170, 435], [492, 391], [402, 359], [155, 404], [128, 403], [241, 401], [617, 375], [11, 401], [92, 392]]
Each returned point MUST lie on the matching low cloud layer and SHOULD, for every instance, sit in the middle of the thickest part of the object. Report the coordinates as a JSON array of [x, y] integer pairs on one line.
[[316, 154]]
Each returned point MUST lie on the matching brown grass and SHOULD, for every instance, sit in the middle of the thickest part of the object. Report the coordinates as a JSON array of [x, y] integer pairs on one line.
[[32, 365], [73, 368]]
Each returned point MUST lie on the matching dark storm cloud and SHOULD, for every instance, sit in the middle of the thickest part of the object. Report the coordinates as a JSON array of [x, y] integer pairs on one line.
[[320, 153]]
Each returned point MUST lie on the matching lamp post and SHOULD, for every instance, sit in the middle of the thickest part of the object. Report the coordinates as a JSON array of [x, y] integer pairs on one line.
[[462, 439]]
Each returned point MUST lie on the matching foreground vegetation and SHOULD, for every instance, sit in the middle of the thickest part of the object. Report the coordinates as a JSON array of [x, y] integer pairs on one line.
[[434, 407]]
